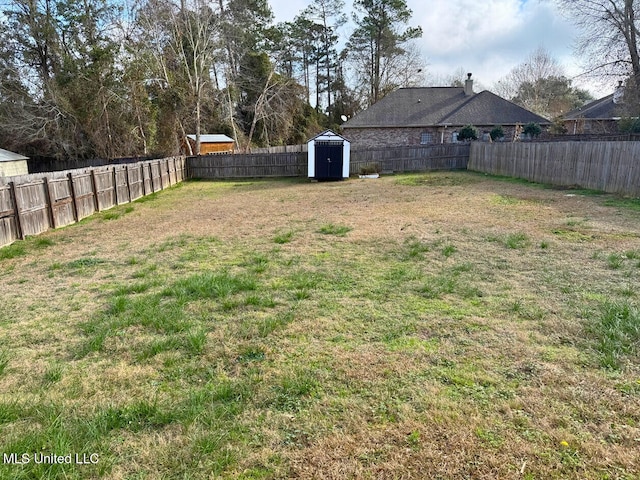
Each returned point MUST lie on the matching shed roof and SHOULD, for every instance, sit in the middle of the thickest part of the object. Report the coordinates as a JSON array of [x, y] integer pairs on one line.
[[7, 156], [600, 109], [439, 106], [328, 134], [212, 138]]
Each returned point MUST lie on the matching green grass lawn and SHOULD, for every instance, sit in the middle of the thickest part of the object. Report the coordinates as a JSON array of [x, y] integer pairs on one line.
[[445, 325]]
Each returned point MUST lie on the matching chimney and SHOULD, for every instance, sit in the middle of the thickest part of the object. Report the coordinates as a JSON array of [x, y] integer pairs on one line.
[[618, 94], [468, 86]]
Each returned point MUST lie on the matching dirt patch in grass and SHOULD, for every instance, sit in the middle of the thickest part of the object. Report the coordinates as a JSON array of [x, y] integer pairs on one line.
[[442, 325]]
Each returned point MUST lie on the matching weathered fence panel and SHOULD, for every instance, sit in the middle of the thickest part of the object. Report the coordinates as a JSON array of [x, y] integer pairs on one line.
[[181, 165], [84, 194], [147, 180], [104, 188], [32, 204], [606, 166], [135, 181], [164, 173], [171, 165], [412, 159], [156, 176], [61, 201], [392, 159], [9, 231], [248, 165], [121, 184], [280, 149]]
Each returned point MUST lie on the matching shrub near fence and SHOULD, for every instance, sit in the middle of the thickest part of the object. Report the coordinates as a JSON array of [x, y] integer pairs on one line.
[[391, 159], [32, 204], [611, 167]]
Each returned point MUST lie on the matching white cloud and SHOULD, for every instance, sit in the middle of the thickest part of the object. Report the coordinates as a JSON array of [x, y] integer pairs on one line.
[[487, 38], [455, 28]]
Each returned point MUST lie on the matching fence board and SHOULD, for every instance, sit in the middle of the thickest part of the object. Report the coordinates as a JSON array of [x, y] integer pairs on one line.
[[164, 173], [61, 198], [84, 194], [606, 166], [104, 188], [135, 180], [8, 221], [181, 169], [147, 181], [32, 206], [156, 176], [121, 184], [171, 165]]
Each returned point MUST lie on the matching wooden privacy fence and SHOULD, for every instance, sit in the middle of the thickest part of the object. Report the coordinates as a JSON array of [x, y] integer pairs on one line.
[[391, 159], [32, 204], [248, 165], [612, 167], [412, 159]]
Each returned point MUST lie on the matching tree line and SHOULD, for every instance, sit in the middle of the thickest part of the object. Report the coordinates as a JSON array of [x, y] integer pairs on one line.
[[89, 78], [117, 78]]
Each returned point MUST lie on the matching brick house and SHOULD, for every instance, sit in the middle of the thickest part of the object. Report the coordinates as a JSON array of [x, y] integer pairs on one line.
[[431, 115], [598, 117]]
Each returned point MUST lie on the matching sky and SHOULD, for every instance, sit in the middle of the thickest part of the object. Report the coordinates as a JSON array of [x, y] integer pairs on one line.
[[486, 38]]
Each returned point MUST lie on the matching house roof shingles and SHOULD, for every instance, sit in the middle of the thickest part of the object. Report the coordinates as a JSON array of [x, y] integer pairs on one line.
[[600, 109], [439, 106]]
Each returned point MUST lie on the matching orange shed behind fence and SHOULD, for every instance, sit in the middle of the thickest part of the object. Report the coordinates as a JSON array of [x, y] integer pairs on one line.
[[211, 143]]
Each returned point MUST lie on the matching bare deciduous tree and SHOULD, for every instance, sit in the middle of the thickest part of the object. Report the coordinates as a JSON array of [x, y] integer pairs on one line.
[[538, 65], [540, 85], [609, 39]]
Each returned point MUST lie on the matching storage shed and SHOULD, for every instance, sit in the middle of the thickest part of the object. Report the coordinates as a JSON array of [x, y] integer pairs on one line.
[[328, 156], [212, 143], [12, 164]]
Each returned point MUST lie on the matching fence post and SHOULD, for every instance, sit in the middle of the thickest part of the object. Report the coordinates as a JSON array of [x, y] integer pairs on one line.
[[16, 208], [47, 191], [94, 185], [74, 199], [149, 169], [114, 175], [126, 170]]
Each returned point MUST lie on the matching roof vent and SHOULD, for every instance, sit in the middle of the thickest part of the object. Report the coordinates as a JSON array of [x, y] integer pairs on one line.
[[468, 86]]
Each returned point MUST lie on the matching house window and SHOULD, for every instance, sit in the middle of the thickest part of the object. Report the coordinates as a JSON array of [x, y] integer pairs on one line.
[[485, 136], [426, 138], [454, 137]]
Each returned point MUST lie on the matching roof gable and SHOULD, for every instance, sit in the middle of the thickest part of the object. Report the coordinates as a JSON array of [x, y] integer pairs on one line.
[[7, 156], [328, 134], [603, 108], [437, 106]]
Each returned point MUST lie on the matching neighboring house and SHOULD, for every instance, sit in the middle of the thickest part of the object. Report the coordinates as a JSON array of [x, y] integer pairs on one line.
[[216, 143], [597, 117], [12, 164], [428, 115]]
